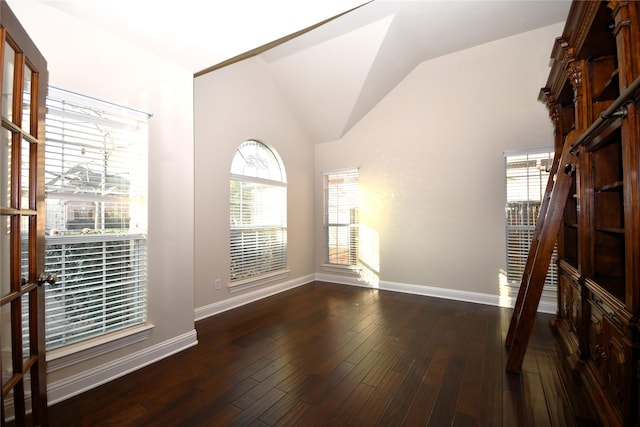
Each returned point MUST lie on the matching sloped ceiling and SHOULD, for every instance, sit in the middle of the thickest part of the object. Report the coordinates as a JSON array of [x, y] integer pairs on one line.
[[335, 74], [324, 82]]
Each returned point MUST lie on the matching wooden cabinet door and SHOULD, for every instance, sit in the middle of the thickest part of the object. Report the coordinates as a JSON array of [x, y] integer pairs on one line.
[[617, 363], [596, 343]]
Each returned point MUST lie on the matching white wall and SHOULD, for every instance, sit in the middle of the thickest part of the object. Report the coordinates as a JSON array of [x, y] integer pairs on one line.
[[231, 105], [432, 166], [431, 158], [87, 60]]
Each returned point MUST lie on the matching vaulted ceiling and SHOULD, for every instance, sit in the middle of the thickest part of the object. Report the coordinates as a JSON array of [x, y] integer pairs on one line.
[[348, 65], [333, 75]]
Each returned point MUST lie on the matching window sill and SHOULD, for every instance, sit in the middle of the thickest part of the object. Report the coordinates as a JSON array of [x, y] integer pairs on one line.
[[72, 354], [347, 270], [241, 285]]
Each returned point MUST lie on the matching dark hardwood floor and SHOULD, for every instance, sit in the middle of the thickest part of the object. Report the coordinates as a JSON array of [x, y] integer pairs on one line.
[[326, 354]]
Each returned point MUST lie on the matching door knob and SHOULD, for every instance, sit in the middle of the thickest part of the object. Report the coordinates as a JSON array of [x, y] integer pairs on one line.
[[48, 278]]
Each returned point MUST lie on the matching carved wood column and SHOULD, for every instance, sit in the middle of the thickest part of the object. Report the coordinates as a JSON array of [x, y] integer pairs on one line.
[[577, 71], [626, 29]]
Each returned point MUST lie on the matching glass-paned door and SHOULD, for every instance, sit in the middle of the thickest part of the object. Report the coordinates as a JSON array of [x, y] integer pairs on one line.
[[23, 80]]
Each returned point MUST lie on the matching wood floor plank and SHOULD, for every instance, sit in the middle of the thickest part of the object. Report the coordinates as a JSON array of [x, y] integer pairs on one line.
[[295, 379], [257, 408], [322, 388], [371, 411], [352, 404], [365, 347], [463, 420], [470, 396], [342, 354], [396, 409], [281, 409], [493, 371], [294, 417], [218, 406], [445, 406], [554, 391], [343, 391], [390, 354], [326, 354], [536, 411], [175, 403], [422, 405], [263, 387], [218, 412], [512, 408]]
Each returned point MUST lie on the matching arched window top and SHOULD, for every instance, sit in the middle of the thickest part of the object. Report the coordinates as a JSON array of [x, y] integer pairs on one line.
[[256, 160]]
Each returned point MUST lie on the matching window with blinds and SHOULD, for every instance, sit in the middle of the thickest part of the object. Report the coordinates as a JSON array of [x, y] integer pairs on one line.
[[96, 217], [527, 173], [341, 202], [258, 213]]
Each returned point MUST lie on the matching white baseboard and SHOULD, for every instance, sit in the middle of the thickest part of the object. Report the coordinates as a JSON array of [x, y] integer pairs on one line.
[[76, 384], [546, 305], [240, 300]]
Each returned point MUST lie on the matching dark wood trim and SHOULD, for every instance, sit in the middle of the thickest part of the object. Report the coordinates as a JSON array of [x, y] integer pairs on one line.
[[32, 364], [19, 37]]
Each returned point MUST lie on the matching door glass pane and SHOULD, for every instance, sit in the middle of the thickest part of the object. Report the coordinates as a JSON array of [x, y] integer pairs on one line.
[[5, 259], [24, 247], [5, 339], [7, 82], [26, 101], [24, 181], [5, 168], [25, 326]]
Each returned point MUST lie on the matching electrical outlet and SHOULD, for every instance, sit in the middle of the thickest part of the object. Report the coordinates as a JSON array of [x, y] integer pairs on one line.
[[217, 284]]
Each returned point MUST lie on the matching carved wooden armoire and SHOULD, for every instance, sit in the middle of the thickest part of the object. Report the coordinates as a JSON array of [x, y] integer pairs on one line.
[[593, 91]]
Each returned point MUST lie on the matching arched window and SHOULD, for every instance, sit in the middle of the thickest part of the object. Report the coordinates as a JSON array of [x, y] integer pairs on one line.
[[258, 214]]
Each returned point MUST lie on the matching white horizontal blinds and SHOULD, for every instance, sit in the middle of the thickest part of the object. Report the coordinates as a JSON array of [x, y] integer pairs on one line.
[[100, 288], [258, 212], [527, 174], [96, 186], [341, 217], [95, 150]]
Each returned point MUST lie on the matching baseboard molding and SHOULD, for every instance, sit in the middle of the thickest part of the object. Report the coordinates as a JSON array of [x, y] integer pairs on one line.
[[77, 384], [545, 306], [68, 387], [246, 298]]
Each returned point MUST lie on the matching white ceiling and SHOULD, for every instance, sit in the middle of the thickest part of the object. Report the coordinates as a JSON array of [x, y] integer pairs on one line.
[[346, 66], [199, 33]]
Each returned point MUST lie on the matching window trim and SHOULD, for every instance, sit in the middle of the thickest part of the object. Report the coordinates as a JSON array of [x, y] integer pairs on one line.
[[346, 269], [72, 354], [262, 277], [252, 282], [102, 341], [551, 283]]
